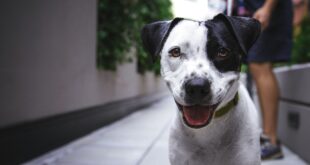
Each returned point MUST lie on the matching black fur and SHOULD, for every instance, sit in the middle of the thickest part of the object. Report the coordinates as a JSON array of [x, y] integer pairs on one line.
[[234, 34], [154, 35], [243, 29]]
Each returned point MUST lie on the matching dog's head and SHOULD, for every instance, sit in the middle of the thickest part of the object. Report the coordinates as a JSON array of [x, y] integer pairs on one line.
[[200, 61]]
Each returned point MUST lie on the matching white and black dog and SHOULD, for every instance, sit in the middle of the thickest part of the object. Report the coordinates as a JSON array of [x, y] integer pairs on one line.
[[217, 123]]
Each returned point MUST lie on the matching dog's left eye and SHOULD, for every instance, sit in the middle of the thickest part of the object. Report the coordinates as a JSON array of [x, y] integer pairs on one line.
[[175, 52], [222, 53]]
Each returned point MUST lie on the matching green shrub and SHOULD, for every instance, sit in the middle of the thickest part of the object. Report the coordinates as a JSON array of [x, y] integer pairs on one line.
[[301, 47], [119, 26]]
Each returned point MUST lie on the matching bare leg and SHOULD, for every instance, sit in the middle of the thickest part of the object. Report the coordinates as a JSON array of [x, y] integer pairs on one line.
[[268, 93]]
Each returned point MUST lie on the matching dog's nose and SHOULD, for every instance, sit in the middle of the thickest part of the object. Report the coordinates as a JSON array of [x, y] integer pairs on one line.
[[197, 88]]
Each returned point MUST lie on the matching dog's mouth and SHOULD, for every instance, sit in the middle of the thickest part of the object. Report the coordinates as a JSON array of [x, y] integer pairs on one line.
[[197, 116]]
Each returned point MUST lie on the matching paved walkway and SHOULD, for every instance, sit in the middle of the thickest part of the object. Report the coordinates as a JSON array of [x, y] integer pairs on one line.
[[139, 139]]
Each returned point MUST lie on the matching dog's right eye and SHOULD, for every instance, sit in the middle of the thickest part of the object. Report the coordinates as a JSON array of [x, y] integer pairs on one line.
[[222, 52], [175, 52]]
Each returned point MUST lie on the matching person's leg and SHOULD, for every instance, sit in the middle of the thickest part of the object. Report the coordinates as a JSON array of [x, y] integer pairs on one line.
[[268, 93]]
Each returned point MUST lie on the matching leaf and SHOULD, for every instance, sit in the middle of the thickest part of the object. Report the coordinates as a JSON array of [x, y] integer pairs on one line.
[[119, 26]]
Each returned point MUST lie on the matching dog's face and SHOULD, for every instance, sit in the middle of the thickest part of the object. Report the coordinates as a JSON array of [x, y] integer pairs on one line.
[[200, 61]]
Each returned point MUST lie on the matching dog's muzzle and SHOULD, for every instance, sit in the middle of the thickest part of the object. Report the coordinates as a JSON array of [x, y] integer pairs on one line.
[[196, 113]]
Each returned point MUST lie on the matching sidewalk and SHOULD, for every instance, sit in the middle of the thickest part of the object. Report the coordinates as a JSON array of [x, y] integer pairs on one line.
[[139, 139]]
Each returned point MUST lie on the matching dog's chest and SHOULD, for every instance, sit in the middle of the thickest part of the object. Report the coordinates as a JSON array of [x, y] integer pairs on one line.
[[214, 152], [231, 141]]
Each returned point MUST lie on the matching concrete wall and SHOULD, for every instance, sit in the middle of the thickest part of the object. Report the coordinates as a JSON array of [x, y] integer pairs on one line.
[[47, 61]]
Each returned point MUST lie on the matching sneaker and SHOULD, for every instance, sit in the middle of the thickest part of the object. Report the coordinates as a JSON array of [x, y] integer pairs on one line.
[[270, 151]]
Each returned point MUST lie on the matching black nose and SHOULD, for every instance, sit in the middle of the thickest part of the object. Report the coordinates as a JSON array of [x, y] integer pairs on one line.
[[197, 88]]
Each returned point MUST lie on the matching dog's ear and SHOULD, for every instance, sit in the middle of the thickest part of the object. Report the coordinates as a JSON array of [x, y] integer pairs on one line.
[[154, 35], [245, 30]]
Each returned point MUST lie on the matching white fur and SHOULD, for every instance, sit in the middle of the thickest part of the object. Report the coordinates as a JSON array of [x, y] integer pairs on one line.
[[174, 70], [231, 139]]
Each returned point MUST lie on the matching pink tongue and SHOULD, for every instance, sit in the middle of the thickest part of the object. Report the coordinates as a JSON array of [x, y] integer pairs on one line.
[[196, 115]]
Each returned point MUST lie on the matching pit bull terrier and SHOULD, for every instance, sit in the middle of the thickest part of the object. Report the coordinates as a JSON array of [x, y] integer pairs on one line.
[[216, 123]]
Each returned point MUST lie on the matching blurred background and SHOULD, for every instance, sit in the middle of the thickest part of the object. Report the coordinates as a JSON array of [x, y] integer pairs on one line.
[[71, 67]]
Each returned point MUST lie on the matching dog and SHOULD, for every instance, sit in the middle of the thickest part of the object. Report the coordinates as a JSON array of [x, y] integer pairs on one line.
[[216, 123]]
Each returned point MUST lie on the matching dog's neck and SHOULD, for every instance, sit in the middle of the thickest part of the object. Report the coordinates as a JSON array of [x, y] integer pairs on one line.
[[224, 110]]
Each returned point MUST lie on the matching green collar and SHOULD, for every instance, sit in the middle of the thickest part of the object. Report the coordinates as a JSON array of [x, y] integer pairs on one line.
[[221, 112]]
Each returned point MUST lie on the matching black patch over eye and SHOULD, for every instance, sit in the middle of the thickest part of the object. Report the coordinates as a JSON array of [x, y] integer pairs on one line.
[[223, 58], [175, 52], [222, 36]]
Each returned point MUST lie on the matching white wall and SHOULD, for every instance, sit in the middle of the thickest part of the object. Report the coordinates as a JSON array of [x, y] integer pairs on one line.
[[47, 61], [193, 9]]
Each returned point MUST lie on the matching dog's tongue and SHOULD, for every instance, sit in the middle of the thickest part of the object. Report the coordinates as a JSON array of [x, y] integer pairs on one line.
[[197, 115]]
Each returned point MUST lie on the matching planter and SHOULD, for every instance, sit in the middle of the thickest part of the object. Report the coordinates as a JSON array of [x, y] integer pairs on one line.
[[294, 110]]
